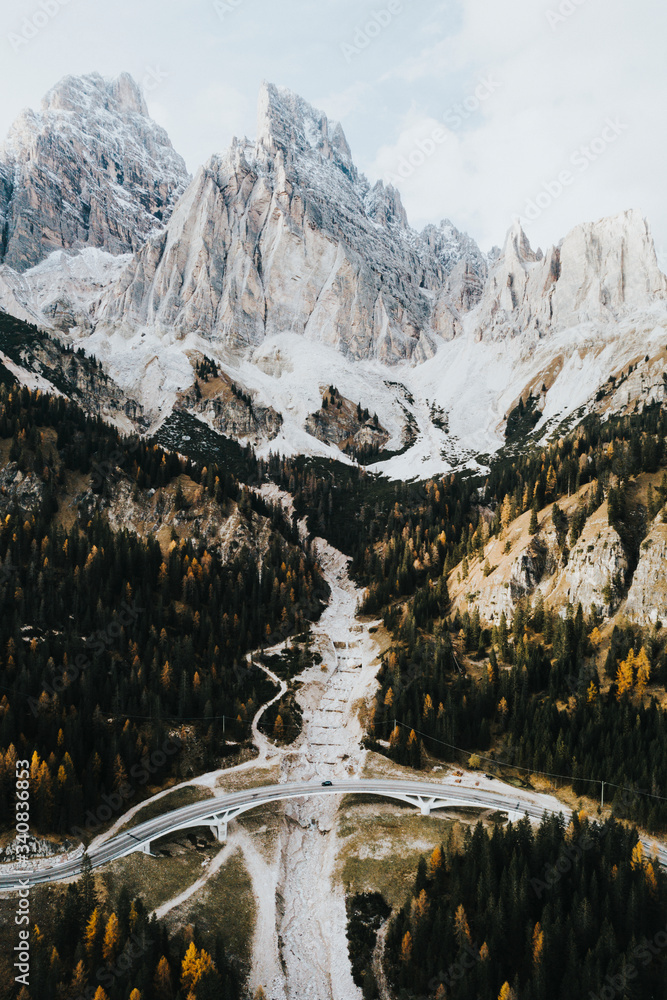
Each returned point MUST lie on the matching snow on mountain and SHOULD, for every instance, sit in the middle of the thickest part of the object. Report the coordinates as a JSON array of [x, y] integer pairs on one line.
[[599, 272], [556, 326], [284, 236], [284, 265], [60, 292], [90, 168]]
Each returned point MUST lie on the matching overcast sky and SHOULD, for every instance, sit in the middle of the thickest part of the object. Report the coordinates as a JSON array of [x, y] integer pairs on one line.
[[474, 107]]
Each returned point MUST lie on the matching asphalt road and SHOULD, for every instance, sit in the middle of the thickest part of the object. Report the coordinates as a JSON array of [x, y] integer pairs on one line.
[[503, 799]]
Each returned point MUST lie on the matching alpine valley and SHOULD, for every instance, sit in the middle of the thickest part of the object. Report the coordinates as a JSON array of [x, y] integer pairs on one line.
[[313, 497]]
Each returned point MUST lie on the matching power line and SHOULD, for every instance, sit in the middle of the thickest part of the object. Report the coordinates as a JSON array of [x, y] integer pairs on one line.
[[529, 770]]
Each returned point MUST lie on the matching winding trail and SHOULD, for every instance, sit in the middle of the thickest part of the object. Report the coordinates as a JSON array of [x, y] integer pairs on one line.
[[262, 742], [310, 915]]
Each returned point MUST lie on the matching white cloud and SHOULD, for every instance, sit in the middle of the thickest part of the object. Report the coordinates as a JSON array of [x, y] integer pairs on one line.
[[558, 88]]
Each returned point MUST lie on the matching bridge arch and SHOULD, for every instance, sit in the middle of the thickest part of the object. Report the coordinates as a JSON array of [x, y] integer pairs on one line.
[[219, 817]]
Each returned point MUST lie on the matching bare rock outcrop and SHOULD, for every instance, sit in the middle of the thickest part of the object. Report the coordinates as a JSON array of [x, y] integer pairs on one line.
[[595, 562], [91, 168], [598, 272], [284, 235], [646, 602]]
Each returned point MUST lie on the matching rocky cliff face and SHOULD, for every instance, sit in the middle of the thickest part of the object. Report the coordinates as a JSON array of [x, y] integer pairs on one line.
[[59, 293], [42, 362], [284, 235], [646, 602], [595, 561], [90, 168], [599, 272], [284, 264], [228, 410], [537, 565], [344, 425]]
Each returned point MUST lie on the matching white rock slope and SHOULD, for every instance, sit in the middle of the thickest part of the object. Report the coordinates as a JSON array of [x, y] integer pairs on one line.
[[599, 272], [91, 168], [284, 235]]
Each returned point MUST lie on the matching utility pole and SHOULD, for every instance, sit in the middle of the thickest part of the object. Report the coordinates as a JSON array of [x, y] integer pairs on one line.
[[602, 803]]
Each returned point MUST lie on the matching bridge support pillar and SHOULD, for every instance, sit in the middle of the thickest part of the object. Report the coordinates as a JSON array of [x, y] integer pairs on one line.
[[424, 803], [219, 831], [146, 848]]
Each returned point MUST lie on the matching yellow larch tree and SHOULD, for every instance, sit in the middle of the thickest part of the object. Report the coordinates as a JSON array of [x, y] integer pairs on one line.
[[195, 965], [461, 926], [643, 668], [625, 677], [162, 981], [435, 861], [92, 930], [420, 906], [637, 860], [111, 938], [538, 943]]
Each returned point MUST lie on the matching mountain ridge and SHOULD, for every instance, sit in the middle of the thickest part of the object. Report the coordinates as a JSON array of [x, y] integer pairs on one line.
[[91, 168], [283, 264]]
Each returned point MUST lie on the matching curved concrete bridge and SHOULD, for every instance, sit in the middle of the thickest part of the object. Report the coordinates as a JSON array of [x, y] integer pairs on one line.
[[218, 812]]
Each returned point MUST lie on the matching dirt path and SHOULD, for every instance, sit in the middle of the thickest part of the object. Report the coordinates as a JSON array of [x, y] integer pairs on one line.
[[310, 916], [216, 863]]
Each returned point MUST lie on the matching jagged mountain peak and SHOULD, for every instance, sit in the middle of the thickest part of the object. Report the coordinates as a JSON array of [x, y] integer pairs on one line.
[[286, 236], [452, 247], [309, 143], [383, 204], [606, 266], [281, 257], [92, 92], [91, 168], [598, 272], [288, 122], [518, 245]]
